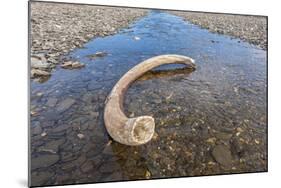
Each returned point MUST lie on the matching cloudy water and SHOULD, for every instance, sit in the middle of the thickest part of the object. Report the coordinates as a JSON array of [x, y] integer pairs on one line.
[[209, 121]]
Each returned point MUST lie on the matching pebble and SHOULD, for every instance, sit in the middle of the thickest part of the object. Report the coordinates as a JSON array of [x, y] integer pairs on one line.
[[44, 134], [81, 136], [211, 140], [147, 174], [257, 141], [137, 38]]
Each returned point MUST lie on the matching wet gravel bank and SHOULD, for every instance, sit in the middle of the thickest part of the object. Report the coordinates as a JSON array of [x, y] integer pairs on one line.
[[57, 29], [252, 29]]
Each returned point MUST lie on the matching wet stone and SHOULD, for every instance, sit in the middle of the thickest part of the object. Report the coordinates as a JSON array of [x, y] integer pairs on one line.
[[115, 176], [44, 160], [67, 156], [38, 73], [62, 127], [51, 102], [52, 116], [222, 155], [108, 151], [87, 166], [37, 130], [97, 54], [65, 104], [72, 65], [93, 85], [40, 62], [52, 146], [68, 167], [80, 136], [223, 136], [40, 178], [109, 167]]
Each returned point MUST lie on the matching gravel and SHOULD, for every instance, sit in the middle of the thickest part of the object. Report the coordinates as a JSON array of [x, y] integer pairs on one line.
[[252, 29], [57, 28]]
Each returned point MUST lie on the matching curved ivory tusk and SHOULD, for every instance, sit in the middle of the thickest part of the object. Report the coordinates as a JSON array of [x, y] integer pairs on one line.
[[137, 130]]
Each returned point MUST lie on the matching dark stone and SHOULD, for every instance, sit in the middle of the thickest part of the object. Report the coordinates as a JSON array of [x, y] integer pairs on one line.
[[37, 130], [65, 104], [52, 102], [222, 155], [60, 128], [87, 166], [44, 160], [115, 176], [108, 151], [40, 178], [109, 167], [93, 85], [52, 146], [97, 54], [223, 136]]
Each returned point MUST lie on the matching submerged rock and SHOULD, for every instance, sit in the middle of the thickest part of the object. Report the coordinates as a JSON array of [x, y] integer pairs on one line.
[[44, 161], [52, 146], [37, 130], [41, 178], [51, 102], [222, 155], [65, 104], [97, 54], [87, 166]]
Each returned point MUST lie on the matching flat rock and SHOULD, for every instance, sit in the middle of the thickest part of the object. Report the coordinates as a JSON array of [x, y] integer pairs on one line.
[[87, 166], [38, 73], [52, 146], [65, 104], [40, 178], [80, 136], [109, 167], [222, 155], [44, 160], [39, 62], [52, 102], [72, 65], [93, 85], [97, 54], [37, 130]]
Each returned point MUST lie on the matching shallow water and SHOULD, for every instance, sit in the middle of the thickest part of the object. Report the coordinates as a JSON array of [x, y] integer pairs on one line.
[[209, 121]]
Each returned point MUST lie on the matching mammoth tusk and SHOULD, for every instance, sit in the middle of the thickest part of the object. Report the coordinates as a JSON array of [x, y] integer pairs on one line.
[[137, 130]]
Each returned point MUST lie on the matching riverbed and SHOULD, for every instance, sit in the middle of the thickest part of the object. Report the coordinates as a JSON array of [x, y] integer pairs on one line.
[[209, 121]]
